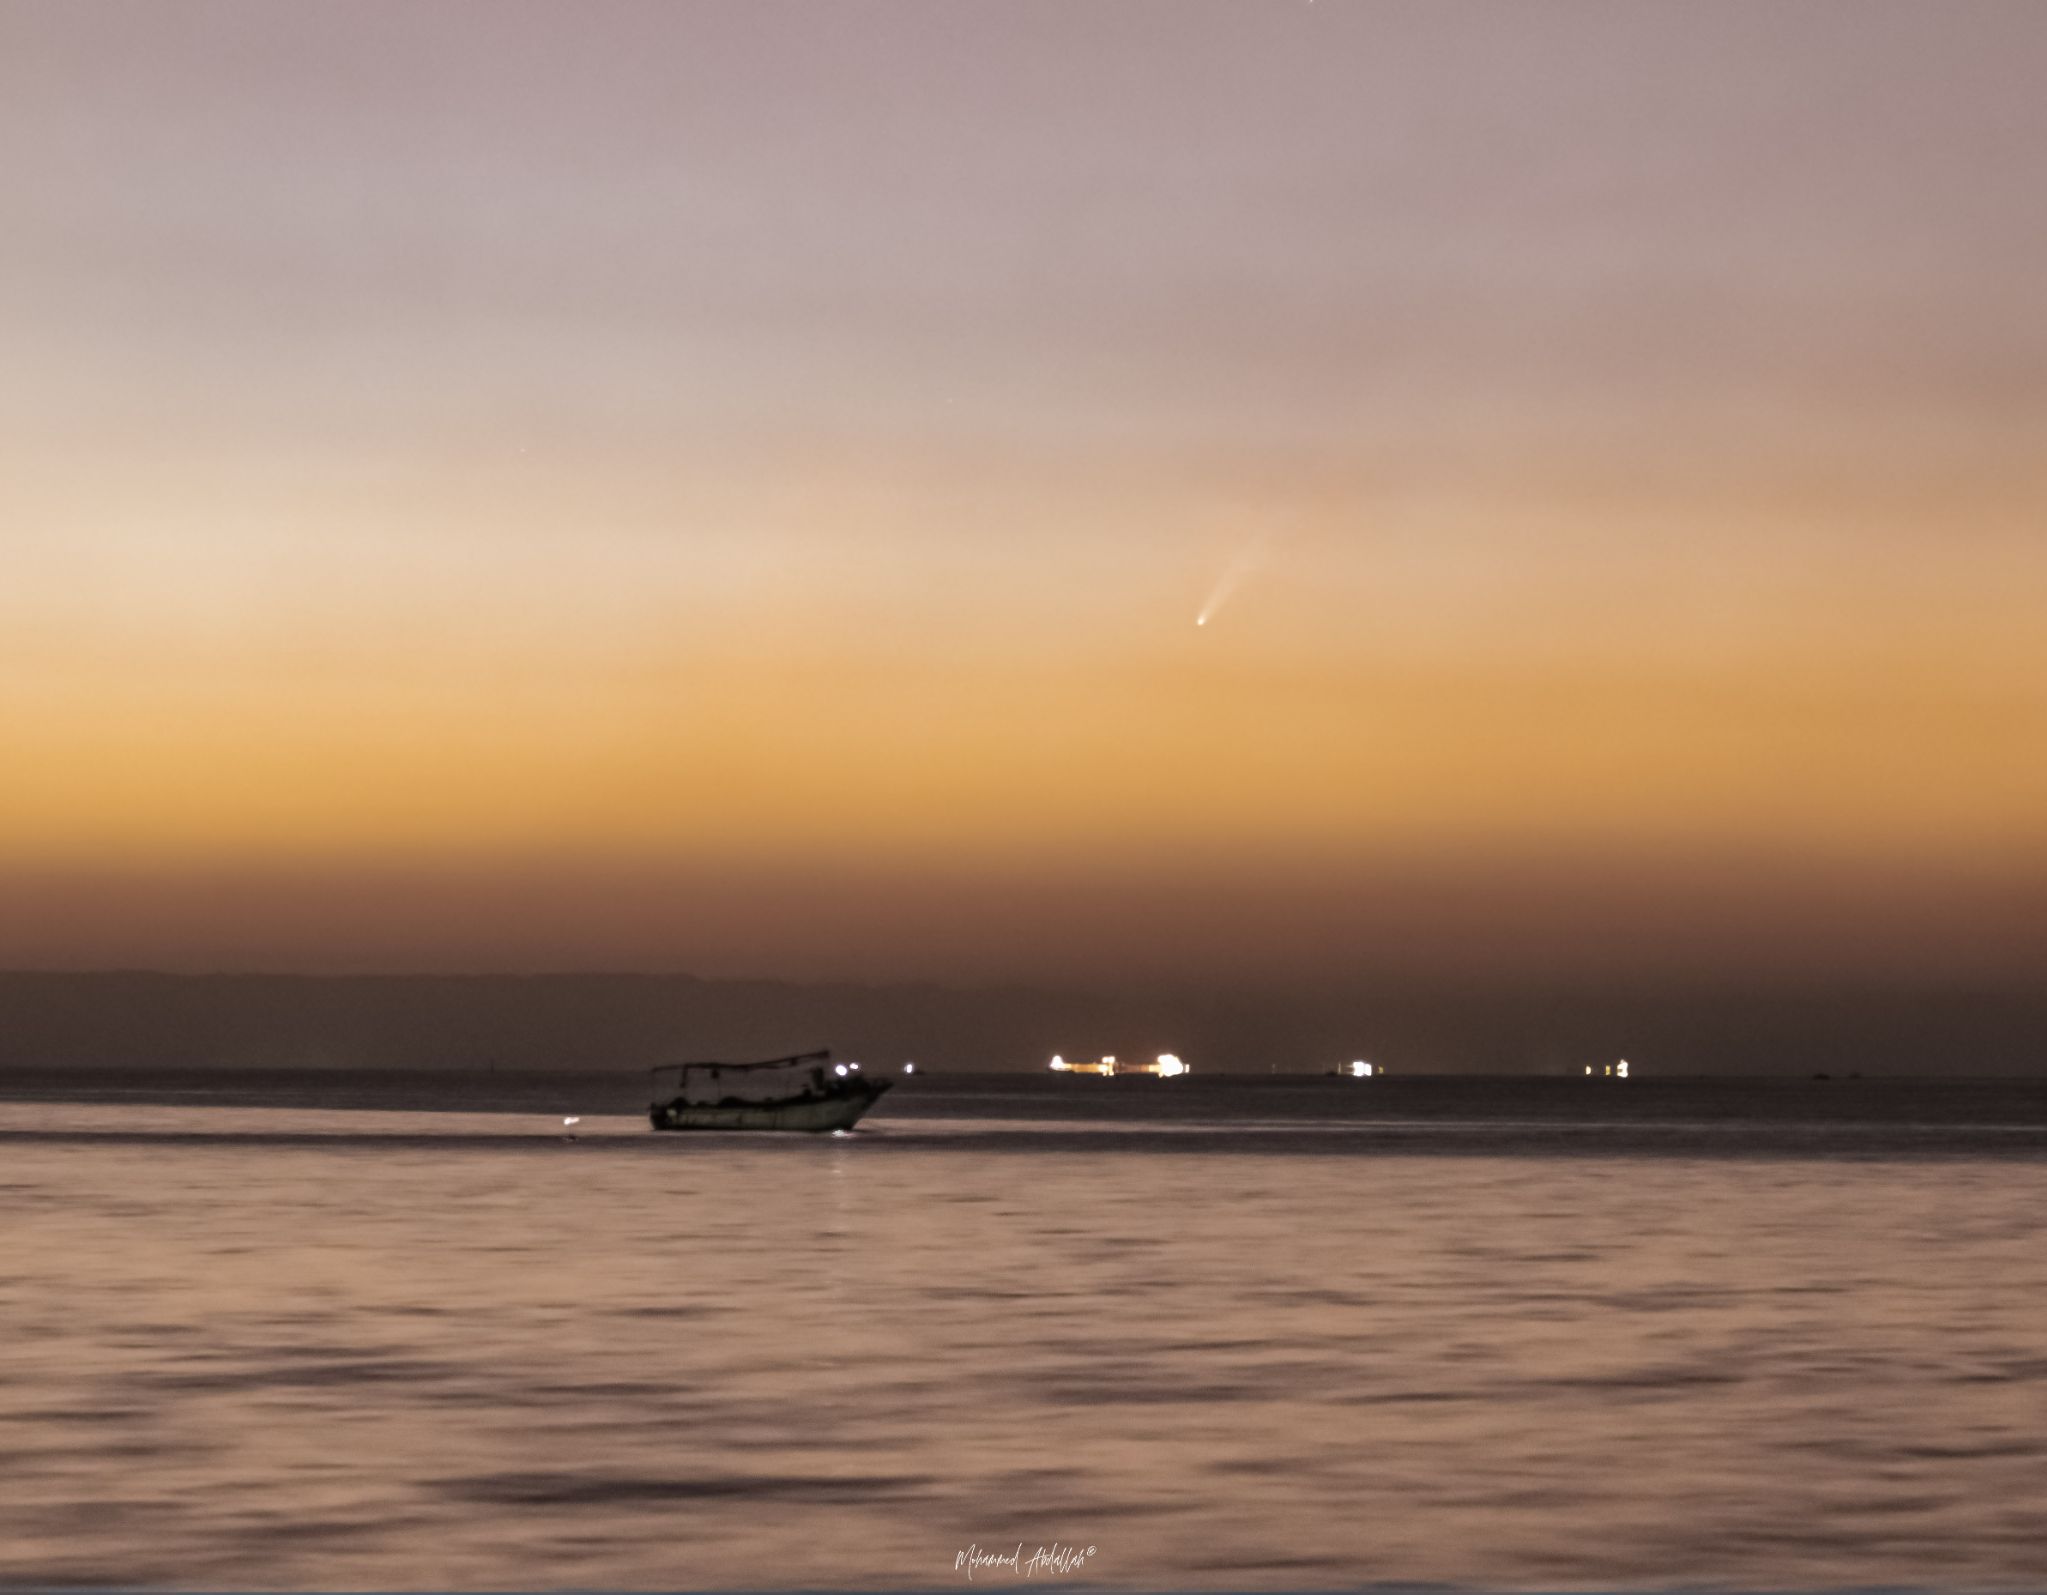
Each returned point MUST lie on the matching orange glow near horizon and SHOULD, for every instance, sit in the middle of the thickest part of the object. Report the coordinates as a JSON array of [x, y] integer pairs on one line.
[[924, 749]]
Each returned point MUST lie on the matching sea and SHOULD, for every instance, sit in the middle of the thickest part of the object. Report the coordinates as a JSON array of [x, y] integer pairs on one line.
[[347, 1331]]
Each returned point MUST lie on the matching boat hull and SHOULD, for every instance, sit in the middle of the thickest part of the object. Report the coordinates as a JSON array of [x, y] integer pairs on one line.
[[813, 1115]]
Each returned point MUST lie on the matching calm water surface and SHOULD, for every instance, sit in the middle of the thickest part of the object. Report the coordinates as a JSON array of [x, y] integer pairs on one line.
[[1250, 1338]]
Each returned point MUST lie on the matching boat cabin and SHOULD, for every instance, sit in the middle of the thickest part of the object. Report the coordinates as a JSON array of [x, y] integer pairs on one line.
[[775, 1080]]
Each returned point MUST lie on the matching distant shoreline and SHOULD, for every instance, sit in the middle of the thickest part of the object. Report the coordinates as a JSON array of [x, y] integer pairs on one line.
[[596, 1025], [1217, 1099]]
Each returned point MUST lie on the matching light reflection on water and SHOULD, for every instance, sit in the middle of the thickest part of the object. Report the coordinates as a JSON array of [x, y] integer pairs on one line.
[[343, 1348]]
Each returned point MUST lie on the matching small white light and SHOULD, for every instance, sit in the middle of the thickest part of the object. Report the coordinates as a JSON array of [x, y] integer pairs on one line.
[[909, 1068], [841, 1068]]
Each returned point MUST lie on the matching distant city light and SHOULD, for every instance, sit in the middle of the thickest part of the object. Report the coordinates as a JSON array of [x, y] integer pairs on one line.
[[1621, 1069], [909, 1068], [841, 1068], [1169, 1065], [1360, 1070]]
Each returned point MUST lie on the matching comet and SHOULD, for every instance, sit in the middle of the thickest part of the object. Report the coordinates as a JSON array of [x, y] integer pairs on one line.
[[1248, 559]]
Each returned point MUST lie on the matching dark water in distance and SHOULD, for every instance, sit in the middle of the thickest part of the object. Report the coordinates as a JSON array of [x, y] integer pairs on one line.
[[356, 1331]]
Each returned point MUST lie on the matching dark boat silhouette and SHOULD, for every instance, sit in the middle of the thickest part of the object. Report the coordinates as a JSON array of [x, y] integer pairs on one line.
[[806, 1091]]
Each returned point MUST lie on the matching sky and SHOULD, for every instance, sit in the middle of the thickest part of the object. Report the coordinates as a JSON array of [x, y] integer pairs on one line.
[[731, 488]]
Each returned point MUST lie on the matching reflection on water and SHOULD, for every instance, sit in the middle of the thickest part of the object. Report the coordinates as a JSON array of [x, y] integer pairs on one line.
[[355, 1348]]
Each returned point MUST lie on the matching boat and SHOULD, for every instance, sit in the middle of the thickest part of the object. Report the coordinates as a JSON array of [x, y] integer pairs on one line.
[[1167, 1067], [806, 1091]]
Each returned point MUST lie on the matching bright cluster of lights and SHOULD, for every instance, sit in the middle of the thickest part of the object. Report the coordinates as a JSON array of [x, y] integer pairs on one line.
[[1167, 1066], [1361, 1070], [847, 1068], [1613, 1071]]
